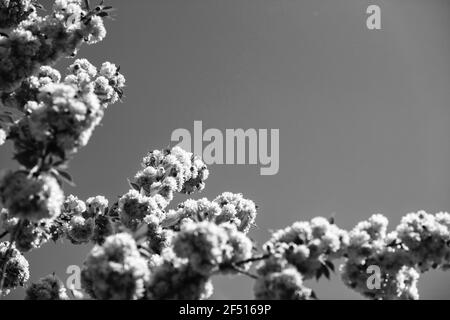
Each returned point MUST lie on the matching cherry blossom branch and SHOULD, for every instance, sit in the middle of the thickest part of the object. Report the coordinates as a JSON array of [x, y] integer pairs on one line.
[[7, 253]]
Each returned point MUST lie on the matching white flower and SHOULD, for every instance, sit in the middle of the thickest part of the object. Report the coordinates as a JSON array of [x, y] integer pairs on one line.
[[427, 237], [286, 284], [244, 210], [96, 205], [2, 137], [115, 271], [96, 30], [204, 244], [134, 207], [307, 246], [108, 70], [74, 206]]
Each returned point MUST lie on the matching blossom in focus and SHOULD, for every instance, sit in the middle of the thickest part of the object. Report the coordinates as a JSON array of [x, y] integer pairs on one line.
[[74, 206], [212, 248], [169, 171], [394, 283], [427, 237], [134, 207], [96, 205], [226, 208], [30, 87], [236, 208], [309, 245], [371, 245]]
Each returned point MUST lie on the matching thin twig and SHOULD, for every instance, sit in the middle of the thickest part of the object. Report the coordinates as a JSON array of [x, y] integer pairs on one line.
[[244, 272], [254, 259]]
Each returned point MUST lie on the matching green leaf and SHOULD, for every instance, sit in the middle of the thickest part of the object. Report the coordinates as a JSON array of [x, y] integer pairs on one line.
[[319, 273], [66, 177], [330, 265], [26, 158], [6, 119], [87, 4], [326, 272], [134, 186]]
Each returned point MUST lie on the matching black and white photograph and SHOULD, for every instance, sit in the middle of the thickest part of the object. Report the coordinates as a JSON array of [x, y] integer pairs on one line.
[[208, 151]]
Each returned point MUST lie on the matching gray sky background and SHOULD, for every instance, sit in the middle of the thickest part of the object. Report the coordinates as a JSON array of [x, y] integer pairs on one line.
[[363, 115]]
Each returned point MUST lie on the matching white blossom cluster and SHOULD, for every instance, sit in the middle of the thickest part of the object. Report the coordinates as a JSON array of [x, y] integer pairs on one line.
[[83, 222], [168, 171], [116, 270], [39, 41], [107, 83], [48, 288], [184, 248], [210, 248], [12, 12], [427, 238], [310, 246], [79, 222], [143, 249], [226, 208], [17, 267], [371, 245], [60, 117], [134, 207], [51, 119], [237, 210], [172, 278], [280, 280], [31, 198]]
